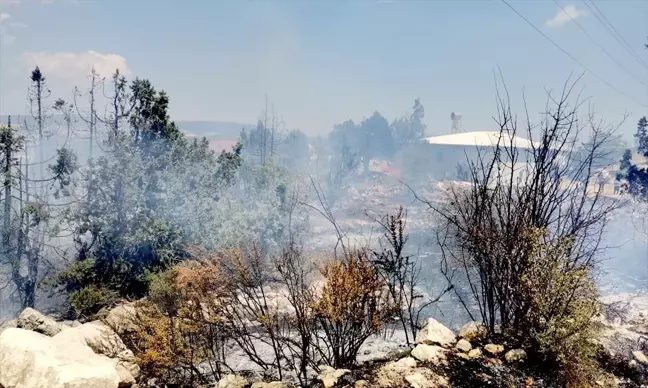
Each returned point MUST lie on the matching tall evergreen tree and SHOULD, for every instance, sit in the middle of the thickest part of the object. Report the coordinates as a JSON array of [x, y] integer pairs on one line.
[[641, 137], [153, 191]]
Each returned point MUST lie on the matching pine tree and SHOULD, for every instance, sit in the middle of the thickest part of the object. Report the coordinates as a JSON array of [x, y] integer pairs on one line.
[[641, 137]]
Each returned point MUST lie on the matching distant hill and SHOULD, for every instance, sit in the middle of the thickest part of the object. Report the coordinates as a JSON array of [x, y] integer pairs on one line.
[[213, 130]]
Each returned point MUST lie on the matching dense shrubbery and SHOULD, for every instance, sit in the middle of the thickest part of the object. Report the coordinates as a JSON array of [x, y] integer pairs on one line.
[[137, 206], [302, 317]]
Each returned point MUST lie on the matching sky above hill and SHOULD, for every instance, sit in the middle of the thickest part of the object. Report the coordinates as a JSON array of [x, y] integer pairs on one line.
[[322, 62]]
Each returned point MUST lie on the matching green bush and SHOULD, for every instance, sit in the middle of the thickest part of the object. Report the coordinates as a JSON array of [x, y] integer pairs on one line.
[[89, 300], [561, 301]]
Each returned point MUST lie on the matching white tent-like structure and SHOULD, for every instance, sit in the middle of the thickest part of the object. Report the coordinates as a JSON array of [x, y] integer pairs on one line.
[[481, 139], [454, 149]]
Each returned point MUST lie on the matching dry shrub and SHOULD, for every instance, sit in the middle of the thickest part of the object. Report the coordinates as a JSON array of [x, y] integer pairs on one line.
[[177, 341], [401, 273], [198, 308], [355, 304]]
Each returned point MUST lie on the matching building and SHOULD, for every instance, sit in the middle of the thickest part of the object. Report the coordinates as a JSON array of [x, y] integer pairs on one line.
[[452, 153]]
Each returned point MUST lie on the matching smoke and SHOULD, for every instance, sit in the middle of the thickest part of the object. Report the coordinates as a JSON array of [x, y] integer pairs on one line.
[[625, 269]]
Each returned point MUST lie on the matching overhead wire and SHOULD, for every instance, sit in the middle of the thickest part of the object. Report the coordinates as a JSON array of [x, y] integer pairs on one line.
[[599, 45], [610, 85], [613, 31]]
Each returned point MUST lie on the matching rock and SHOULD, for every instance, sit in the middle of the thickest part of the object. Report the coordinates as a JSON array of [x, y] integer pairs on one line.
[[425, 378], [434, 333], [131, 367], [417, 380], [103, 340], [232, 381], [407, 362], [640, 357], [400, 365], [31, 319], [330, 376], [494, 349], [494, 361], [33, 360], [392, 373], [475, 353], [126, 379], [429, 353], [122, 319], [472, 331], [361, 384], [274, 384], [463, 346], [515, 355], [100, 338]]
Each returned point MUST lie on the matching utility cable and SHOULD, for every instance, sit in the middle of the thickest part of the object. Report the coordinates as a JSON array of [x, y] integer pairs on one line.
[[571, 56], [599, 45]]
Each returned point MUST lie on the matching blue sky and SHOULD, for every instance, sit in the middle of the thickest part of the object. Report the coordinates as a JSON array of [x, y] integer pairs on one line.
[[322, 62]]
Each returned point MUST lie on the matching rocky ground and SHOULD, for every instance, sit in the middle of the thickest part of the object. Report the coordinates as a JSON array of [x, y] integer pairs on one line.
[[37, 351]]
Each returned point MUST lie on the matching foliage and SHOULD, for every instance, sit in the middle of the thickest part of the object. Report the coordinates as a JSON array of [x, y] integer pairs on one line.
[[372, 138], [27, 206], [65, 166], [625, 164], [200, 307], [89, 300], [354, 304], [295, 150], [563, 301], [638, 176], [641, 137], [151, 194], [344, 161], [409, 130], [258, 208], [175, 339]]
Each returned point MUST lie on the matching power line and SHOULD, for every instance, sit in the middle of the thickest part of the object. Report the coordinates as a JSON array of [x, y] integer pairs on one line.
[[599, 45], [571, 56], [614, 32]]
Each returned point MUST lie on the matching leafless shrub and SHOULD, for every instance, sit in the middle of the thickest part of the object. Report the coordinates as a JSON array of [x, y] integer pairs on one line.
[[513, 192], [401, 273]]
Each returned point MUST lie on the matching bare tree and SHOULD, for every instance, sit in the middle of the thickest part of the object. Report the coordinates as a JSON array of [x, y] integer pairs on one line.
[[514, 190], [91, 120], [402, 273]]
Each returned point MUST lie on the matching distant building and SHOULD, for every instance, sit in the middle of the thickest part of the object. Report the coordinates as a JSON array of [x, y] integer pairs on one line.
[[452, 153], [480, 139]]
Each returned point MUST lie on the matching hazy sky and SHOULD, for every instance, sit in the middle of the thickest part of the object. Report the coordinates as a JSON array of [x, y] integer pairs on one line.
[[322, 62]]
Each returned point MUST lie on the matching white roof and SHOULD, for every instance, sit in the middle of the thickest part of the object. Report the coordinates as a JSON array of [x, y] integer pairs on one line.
[[480, 139]]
